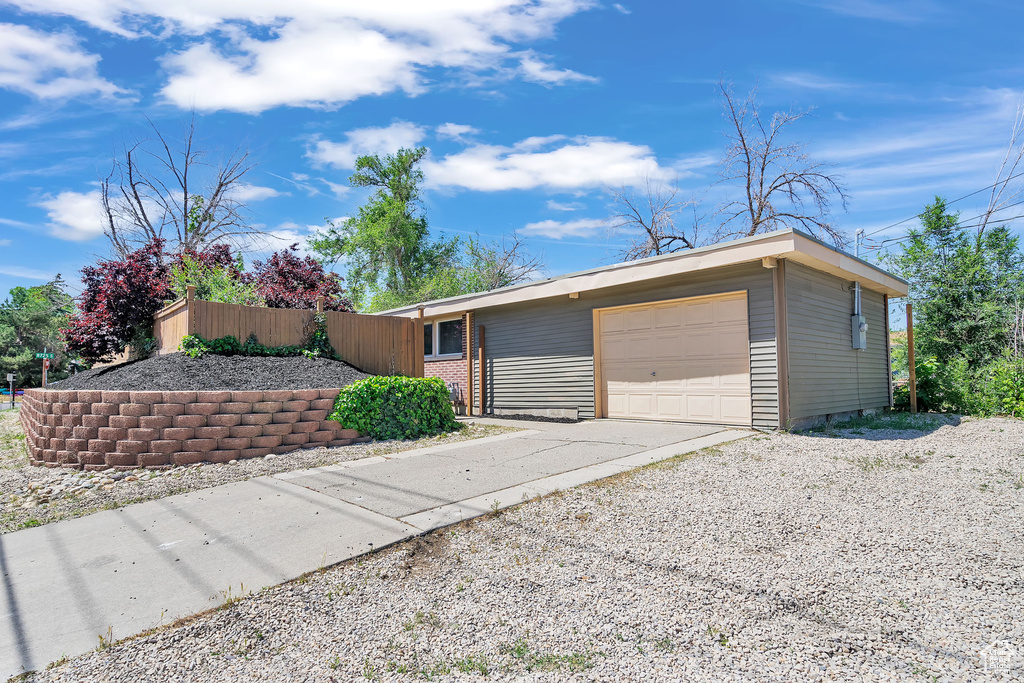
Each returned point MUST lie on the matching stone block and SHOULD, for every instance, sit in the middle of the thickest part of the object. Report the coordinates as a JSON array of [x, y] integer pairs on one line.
[[95, 420], [280, 395], [223, 455], [178, 433], [123, 422], [287, 418], [116, 397], [135, 409], [295, 439], [212, 432], [202, 408], [266, 441], [165, 446], [330, 393], [91, 458], [213, 396], [233, 443], [247, 396], [155, 421], [340, 442], [143, 434], [257, 418], [235, 408], [106, 408], [189, 421], [305, 427], [112, 434], [281, 450], [188, 457], [255, 452], [168, 409], [120, 459], [266, 407], [132, 446], [200, 445], [153, 459], [295, 406], [80, 408], [90, 396], [247, 431], [322, 404], [314, 415], [306, 395], [277, 429], [179, 397], [147, 397], [102, 445], [321, 437], [86, 433], [222, 420]]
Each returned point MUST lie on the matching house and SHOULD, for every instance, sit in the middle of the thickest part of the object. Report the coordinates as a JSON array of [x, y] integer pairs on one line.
[[772, 331]]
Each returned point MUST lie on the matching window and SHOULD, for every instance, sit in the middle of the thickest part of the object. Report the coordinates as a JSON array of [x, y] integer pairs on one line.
[[442, 338]]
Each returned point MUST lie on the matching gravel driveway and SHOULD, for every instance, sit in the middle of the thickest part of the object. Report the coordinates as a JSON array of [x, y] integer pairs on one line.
[[879, 555]]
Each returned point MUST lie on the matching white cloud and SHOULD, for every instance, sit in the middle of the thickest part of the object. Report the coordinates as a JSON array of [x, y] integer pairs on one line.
[[49, 65], [454, 131], [900, 11], [6, 243], [27, 273], [252, 193], [534, 69], [583, 227], [255, 55], [554, 163], [282, 237], [566, 206], [809, 81], [622, 8], [75, 216], [386, 140]]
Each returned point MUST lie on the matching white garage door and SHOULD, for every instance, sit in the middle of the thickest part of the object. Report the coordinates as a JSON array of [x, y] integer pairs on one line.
[[687, 359]]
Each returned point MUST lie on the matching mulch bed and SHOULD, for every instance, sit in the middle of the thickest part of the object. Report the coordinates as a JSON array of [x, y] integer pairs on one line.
[[178, 372]]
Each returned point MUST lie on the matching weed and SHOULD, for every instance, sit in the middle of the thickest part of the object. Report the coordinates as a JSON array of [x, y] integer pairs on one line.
[[369, 670], [106, 641], [474, 664], [665, 644], [230, 598], [334, 662], [545, 661]]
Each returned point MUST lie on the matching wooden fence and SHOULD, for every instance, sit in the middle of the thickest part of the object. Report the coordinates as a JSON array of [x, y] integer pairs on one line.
[[379, 345]]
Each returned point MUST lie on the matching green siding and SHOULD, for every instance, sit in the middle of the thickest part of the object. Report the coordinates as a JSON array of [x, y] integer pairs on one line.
[[540, 354], [826, 375]]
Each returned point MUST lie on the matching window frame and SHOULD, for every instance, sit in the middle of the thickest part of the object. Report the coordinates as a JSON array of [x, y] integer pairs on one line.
[[435, 339]]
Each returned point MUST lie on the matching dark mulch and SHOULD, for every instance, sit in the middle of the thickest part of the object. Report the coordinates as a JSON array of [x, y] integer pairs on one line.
[[178, 372], [531, 418]]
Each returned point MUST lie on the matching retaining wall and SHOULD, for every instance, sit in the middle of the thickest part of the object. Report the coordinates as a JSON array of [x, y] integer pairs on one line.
[[156, 429]]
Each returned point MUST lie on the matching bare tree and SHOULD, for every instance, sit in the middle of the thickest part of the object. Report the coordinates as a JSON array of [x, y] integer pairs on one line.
[[502, 263], [781, 185], [160, 190], [1004, 194], [649, 216]]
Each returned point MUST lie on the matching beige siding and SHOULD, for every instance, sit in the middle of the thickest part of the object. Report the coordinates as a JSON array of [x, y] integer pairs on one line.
[[540, 354], [826, 375]]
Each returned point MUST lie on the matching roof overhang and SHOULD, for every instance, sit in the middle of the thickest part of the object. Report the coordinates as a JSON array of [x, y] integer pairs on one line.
[[785, 244]]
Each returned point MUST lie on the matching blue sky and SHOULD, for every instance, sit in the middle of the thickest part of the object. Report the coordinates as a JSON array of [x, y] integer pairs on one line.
[[531, 109]]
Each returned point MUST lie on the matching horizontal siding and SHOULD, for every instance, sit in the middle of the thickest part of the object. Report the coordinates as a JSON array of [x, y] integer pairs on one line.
[[826, 375], [540, 354]]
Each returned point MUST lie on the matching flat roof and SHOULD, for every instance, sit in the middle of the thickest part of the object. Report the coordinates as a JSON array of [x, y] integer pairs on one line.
[[790, 244]]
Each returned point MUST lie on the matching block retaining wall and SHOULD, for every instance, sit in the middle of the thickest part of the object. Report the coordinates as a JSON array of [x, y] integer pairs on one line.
[[156, 429]]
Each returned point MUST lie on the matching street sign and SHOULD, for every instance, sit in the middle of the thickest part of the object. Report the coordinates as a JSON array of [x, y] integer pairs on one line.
[[46, 363], [46, 356], [10, 376]]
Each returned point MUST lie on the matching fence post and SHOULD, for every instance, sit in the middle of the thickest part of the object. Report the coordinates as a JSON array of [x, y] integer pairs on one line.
[[418, 346], [469, 363], [912, 366], [480, 335], [320, 304], [190, 310]]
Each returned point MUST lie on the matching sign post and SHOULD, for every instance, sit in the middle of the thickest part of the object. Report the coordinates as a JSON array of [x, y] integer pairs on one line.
[[10, 380], [46, 357]]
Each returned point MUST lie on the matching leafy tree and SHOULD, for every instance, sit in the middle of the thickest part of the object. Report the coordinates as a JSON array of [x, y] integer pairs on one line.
[[216, 275], [30, 320], [287, 281], [387, 247], [117, 306], [965, 287], [392, 260]]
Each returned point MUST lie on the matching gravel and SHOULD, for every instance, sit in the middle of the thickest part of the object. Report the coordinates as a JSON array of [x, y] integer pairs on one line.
[[33, 496], [178, 372], [878, 555]]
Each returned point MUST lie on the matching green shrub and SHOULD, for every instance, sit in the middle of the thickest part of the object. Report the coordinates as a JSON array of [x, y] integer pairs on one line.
[[317, 345], [994, 389], [213, 282], [396, 407]]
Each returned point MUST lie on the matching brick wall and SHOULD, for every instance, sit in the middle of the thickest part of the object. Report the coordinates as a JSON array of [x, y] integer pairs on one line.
[[450, 369], [156, 429]]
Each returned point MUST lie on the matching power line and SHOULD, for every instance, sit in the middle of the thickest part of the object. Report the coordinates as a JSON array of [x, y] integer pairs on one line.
[[956, 228], [958, 199]]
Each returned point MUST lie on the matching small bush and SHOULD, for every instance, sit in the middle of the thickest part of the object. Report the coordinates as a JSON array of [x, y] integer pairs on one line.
[[396, 407]]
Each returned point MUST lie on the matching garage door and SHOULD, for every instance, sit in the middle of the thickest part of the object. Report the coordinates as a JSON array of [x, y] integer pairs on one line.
[[687, 359]]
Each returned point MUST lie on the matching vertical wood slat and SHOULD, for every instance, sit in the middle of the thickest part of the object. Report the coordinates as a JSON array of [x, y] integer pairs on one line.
[[911, 363], [374, 344], [480, 335]]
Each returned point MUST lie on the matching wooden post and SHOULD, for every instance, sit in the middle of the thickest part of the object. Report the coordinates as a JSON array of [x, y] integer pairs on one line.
[[320, 304], [190, 310], [420, 370], [481, 362], [910, 358], [781, 339], [469, 363], [888, 344]]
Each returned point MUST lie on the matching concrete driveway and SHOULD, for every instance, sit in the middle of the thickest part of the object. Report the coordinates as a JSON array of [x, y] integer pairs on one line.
[[120, 572]]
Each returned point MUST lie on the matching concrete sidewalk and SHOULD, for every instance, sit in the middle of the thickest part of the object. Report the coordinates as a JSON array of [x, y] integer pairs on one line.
[[117, 573]]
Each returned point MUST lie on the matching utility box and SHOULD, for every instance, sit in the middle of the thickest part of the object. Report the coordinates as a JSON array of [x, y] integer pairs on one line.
[[860, 332]]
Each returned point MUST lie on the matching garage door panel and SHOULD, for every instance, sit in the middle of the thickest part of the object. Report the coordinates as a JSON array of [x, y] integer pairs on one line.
[[668, 317], [735, 409], [697, 313], [638, 319], [699, 351], [731, 310]]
